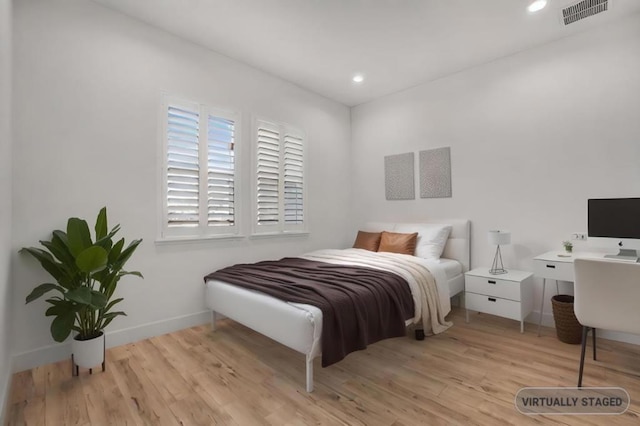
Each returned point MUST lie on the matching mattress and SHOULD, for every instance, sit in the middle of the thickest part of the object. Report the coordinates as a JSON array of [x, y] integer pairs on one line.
[[452, 268]]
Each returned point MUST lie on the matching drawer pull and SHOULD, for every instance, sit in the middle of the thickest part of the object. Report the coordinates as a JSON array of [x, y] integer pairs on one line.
[[551, 266], [491, 282], [491, 299]]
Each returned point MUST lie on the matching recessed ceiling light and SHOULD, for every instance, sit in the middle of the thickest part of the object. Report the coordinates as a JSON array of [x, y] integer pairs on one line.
[[536, 5], [358, 78]]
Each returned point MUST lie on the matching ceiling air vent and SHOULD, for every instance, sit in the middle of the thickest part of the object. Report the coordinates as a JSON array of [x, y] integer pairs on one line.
[[583, 9]]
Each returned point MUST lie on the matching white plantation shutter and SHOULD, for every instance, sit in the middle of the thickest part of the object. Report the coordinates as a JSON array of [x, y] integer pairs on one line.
[[183, 172], [293, 180], [221, 172], [268, 175], [200, 171], [280, 181]]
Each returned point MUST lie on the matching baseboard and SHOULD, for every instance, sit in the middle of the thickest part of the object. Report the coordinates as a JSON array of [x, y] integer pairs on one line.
[[5, 388], [58, 352], [547, 321]]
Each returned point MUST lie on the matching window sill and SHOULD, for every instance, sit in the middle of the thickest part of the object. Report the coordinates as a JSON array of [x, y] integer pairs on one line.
[[190, 240], [293, 234]]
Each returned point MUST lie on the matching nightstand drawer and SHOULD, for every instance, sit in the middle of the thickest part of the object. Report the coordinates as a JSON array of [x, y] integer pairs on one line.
[[553, 270], [493, 287], [493, 305]]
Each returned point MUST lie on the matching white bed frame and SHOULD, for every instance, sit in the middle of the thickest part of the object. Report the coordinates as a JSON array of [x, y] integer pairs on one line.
[[294, 327]]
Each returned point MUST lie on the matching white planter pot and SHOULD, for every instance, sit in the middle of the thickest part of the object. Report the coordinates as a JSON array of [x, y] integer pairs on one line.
[[88, 353]]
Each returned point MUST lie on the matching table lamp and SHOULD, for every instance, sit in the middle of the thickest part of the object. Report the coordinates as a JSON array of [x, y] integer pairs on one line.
[[498, 238]]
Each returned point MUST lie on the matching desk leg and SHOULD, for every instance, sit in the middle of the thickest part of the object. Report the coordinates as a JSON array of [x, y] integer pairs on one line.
[[557, 288], [521, 326], [544, 285]]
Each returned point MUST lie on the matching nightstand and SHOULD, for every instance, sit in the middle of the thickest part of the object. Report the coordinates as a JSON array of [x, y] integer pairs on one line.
[[507, 295]]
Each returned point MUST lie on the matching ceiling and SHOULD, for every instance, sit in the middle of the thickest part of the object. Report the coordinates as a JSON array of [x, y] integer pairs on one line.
[[395, 44]]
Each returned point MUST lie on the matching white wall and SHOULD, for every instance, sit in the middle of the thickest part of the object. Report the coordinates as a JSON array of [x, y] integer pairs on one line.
[[532, 136], [88, 85], [5, 203]]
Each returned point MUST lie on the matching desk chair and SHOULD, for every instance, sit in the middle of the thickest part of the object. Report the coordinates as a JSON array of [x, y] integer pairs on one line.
[[607, 296]]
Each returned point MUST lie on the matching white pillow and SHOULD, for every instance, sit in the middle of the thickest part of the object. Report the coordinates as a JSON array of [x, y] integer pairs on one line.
[[432, 237]]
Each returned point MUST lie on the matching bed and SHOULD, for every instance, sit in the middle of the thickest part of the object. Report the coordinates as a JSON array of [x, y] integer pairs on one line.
[[299, 326]]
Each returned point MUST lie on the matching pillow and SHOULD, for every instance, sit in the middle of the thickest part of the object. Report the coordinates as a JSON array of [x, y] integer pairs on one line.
[[367, 240], [432, 237], [398, 243]]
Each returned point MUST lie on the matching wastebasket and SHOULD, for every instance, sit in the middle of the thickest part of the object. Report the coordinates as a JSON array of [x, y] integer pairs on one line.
[[568, 328]]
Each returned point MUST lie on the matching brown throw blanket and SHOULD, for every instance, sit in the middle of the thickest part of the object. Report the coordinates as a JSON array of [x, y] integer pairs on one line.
[[359, 305]]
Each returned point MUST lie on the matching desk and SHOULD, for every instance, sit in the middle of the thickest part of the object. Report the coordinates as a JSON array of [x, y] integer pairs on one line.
[[554, 267]]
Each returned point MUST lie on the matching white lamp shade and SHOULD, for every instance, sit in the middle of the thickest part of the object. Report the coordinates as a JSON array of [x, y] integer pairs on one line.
[[499, 238]]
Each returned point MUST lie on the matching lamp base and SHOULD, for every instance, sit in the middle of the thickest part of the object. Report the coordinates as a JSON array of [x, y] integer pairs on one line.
[[497, 267]]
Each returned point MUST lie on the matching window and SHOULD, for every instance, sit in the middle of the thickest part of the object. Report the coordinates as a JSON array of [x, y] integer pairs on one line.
[[280, 192], [200, 170]]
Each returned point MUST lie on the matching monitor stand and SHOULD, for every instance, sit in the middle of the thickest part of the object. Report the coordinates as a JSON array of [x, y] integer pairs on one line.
[[624, 254]]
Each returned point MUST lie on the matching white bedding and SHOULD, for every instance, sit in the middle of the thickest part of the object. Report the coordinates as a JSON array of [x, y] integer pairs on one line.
[[452, 268], [404, 265]]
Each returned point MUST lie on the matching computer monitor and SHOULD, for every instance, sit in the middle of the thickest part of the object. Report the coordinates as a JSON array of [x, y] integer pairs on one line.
[[614, 222]]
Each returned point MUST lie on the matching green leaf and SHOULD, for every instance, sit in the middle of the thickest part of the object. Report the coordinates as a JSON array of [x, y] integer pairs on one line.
[[62, 236], [60, 252], [81, 295], [47, 261], [126, 254], [92, 259], [108, 286], [101, 224], [98, 300], [114, 314], [136, 273], [112, 304], [61, 326], [115, 251], [110, 316], [54, 311], [42, 289], [78, 235], [110, 235], [106, 241], [60, 307]]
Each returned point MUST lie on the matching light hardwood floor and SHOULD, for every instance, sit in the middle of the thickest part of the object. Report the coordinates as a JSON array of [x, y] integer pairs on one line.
[[468, 375]]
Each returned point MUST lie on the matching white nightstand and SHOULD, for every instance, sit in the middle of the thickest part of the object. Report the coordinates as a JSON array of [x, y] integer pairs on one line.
[[507, 295]]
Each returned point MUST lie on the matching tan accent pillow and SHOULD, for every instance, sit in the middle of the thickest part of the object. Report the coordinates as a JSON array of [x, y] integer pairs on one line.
[[367, 240], [395, 242]]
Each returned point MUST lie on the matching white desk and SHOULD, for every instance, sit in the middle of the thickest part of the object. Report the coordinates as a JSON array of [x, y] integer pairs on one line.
[[559, 268]]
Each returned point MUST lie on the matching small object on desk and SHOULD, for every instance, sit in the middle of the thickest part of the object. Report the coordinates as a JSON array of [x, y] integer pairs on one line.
[[563, 255]]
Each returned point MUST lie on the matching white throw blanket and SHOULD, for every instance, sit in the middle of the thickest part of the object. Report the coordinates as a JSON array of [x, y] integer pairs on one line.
[[418, 276]]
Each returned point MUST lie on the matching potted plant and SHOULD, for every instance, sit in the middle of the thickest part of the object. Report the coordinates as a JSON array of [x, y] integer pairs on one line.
[[87, 273], [568, 246]]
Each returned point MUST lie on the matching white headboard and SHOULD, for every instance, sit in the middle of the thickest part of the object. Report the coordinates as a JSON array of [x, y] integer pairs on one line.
[[458, 245]]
